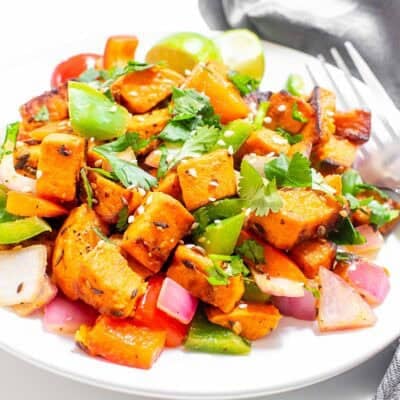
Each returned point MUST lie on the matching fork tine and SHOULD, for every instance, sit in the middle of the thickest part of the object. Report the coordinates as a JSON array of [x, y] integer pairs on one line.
[[372, 82], [311, 75], [324, 66], [342, 65]]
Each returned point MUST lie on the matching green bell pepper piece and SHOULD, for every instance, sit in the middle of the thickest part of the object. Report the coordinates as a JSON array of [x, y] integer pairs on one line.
[[93, 114], [295, 85], [221, 237], [4, 215], [209, 338], [252, 292], [234, 135], [260, 115], [17, 231]]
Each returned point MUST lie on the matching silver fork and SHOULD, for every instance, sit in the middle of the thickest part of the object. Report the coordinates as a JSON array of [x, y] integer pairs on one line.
[[379, 162]]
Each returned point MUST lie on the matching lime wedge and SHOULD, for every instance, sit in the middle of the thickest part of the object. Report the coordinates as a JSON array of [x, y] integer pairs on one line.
[[242, 51], [182, 51]]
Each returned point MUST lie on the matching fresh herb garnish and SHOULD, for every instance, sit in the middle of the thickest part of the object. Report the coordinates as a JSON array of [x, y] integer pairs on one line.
[[100, 234], [345, 233], [252, 251], [103, 172], [122, 222], [163, 165], [130, 139], [260, 115], [90, 75], [244, 83], [292, 139], [297, 115], [10, 139], [261, 196], [42, 114], [87, 187], [319, 183], [313, 290], [223, 268], [345, 256], [352, 183]]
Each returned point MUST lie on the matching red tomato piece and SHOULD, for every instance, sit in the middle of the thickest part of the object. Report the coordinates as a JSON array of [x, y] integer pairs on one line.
[[149, 315], [119, 50], [73, 67]]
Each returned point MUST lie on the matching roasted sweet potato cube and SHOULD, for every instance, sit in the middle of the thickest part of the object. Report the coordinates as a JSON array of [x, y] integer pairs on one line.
[[60, 160], [304, 147], [322, 125], [334, 156], [170, 185], [159, 224], [26, 159], [75, 238], [190, 267], [49, 106], [250, 320], [211, 79], [335, 181], [264, 141], [305, 214], [313, 254], [111, 198], [207, 178], [354, 125], [282, 109], [63, 126], [141, 91], [107, 283]]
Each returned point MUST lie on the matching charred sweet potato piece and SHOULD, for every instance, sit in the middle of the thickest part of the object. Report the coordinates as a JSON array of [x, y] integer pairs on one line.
[[141, 91], [49, 106], [250, 320], [211, 79], [264, 141], [170, 185], [107, 283], [190, 267], [75, 238], [354, 125], [207, 178], [111, 198], [334, 156], [121, 342], [159, 224], [26, 159], [60, 160], [313, 254], [282, 110], [305, 214]]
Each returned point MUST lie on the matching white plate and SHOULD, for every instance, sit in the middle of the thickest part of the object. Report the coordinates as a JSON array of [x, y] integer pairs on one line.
[[293, 356]]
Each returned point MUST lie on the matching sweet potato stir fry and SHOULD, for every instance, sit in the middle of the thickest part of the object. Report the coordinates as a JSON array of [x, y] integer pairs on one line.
[[142, 208]]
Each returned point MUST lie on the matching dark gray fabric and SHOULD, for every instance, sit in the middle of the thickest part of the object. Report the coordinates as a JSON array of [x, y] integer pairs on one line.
[[372, 25], [389, 389]]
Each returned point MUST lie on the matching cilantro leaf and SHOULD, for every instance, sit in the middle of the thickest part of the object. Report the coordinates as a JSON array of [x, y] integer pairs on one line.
[[244, 83], [352, 183], [224, 267], [261, 196], [103, 172], [90, 75], [297, 115], [292, 139], [87, 187], [381, 214], [238, 267], [252, 251], [122, 222], [163, 165], [319, 183], [42, 114], [346, 234], [130, 139]]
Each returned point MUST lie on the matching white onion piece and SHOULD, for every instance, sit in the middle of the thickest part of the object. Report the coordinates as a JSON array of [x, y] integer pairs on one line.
[[22, 273], [11, 179]]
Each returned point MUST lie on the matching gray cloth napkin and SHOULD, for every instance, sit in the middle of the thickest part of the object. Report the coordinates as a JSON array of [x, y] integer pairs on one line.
[[314, 27]]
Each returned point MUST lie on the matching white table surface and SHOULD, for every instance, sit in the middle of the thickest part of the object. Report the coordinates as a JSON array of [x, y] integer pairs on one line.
[[23, 25]]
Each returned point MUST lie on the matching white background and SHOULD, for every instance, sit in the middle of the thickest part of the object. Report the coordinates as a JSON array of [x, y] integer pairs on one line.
[[29, 25]]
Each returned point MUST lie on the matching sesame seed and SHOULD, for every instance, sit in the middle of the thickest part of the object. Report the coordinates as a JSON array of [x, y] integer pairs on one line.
[[133, 93], [212, 199], [140, 118], [330, 113], [98, 163], [247, 212], [187, 72], [202, 239], [140, 210], [221, 143], [19, 144], [149, 200], [281, 108], [26, 189], [100, 242], [131, 187], [172, 240], [267, 120], [214, 183], [229, 133], [192, 172], [131, 218], [39, 173], [113, 108], [230, 150], [279, 140], [142, 192], [92, 139], [170, 157], [242, 306], [195, 225], [217, 221], [343, 213]]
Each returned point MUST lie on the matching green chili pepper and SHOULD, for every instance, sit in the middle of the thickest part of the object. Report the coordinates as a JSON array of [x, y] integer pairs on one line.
[[93, 114], [252, 292], [17, 231], [234, 135], [295, 85], [209, 338], [221, 237]]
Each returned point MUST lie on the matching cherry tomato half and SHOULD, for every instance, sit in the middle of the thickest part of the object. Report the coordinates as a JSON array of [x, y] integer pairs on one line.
[[73, 67]]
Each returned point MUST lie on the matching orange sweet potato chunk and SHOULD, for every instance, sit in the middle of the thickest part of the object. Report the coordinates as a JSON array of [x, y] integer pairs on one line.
[[207, 178], [159, 224], [250, 320], [189, 268], [354, 125], [170, 185], [304, 215], [60, 160], [26, 158]]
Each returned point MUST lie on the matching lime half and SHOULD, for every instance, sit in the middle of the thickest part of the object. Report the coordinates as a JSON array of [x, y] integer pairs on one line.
[[182, 51], [242, 51]]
